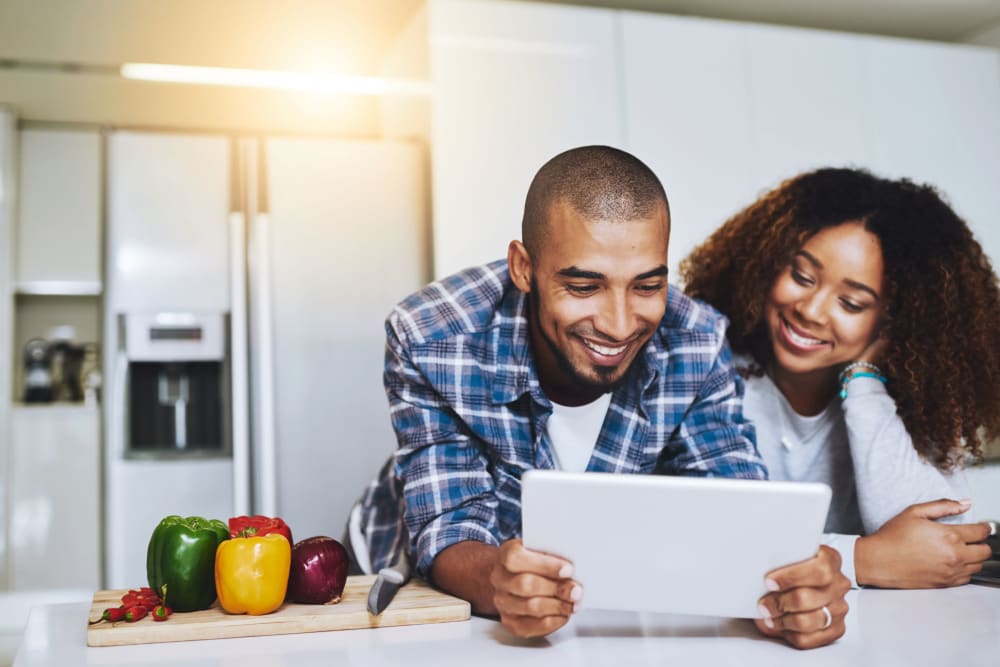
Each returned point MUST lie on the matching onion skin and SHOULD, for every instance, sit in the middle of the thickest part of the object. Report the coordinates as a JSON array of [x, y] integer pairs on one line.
[[319, 571]]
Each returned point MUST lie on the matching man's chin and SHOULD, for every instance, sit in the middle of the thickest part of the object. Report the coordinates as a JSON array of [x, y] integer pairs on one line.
[[601, 382]]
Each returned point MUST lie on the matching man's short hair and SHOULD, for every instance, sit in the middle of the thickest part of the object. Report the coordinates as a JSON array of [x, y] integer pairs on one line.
[[599, 182]]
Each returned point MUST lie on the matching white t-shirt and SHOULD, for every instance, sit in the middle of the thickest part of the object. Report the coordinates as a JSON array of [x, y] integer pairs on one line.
[[573, 432], [860, 448]]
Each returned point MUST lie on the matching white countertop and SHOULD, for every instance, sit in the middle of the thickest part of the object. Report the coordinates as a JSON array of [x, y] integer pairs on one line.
[[958, 626]]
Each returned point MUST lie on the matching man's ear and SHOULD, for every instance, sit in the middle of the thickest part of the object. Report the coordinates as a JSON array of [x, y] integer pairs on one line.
[[519, 265]]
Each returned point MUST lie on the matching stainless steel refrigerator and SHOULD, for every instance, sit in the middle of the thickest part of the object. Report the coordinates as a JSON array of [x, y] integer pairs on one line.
[[247, 281]]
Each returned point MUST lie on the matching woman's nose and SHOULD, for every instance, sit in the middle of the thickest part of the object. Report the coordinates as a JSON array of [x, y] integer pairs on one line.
[[812, 307]]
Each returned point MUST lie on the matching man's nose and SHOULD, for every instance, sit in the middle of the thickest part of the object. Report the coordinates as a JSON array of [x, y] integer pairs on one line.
[[616, 321]]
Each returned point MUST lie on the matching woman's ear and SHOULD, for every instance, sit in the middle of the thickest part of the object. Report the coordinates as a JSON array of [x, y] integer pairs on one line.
[[519, 265]]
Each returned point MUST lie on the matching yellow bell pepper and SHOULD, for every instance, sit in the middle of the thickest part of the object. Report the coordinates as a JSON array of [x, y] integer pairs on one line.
[[251, 573]]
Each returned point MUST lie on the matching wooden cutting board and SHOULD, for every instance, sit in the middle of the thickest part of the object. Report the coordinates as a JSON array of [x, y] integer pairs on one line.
[[415, 603]]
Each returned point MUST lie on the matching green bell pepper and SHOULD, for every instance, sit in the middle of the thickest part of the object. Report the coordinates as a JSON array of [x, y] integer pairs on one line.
[[181, 555]]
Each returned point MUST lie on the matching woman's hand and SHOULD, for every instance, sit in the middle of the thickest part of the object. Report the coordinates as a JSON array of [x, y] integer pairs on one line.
[[873, 353], [912, 550]]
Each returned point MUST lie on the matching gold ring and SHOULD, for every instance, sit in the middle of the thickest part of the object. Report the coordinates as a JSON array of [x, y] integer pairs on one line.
[[829, 617]]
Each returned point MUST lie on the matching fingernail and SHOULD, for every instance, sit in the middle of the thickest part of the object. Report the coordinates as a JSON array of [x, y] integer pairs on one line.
[[576, 608], [965, 503], [566, 571], [764, 613], [768, 623], [576, 594], [771, 585]]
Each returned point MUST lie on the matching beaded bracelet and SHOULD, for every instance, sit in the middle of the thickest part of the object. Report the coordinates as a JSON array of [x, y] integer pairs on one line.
[[859, 374], [857, 364]]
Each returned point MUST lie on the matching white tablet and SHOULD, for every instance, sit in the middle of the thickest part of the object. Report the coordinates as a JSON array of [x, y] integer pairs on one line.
[[679, 545]]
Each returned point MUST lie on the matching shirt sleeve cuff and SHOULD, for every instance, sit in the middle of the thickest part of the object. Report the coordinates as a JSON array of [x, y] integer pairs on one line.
[[865, 386], [845, 545], [440, 534]]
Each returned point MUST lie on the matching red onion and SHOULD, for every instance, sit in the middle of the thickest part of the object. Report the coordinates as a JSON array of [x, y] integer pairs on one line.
[[319, 571]]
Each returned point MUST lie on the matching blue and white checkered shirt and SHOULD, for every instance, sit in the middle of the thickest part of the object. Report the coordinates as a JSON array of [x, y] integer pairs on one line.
[[470, 415]]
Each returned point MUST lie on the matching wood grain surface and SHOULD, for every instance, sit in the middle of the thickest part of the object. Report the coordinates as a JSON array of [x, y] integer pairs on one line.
[[414, 604]]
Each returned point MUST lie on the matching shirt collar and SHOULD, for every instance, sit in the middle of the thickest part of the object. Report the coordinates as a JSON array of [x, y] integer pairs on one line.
[[515, 373]]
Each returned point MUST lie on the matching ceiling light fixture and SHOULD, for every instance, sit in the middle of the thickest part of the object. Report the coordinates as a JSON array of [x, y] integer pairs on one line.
[[317, 82]]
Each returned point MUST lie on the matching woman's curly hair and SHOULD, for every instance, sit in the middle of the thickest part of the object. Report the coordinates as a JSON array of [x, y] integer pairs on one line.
[[941, 303]]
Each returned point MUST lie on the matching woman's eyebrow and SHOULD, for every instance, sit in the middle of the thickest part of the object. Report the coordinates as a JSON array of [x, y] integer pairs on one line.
[[812, 260], [861, 286], [854, 284]]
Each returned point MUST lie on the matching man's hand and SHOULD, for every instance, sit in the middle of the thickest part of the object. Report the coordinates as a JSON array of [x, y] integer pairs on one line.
[[533, 592], [912, 550], [794, 610]]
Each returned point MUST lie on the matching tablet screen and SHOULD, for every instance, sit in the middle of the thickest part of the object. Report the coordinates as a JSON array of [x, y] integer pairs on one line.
[[679, 545]]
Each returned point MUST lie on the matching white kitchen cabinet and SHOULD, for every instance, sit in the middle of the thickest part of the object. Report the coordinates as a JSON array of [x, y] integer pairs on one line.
[[8, 137], [53, 526], [514, 84], [806, 102], [764, 103], [59, 220], [691, 124], [168, 244], [934, 114]]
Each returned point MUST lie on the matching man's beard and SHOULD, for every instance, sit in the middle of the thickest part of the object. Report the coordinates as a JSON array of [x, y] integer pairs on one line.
[[606, 382]]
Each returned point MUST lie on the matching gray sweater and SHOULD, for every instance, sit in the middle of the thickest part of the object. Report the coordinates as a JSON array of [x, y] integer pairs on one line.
[[860, 448]]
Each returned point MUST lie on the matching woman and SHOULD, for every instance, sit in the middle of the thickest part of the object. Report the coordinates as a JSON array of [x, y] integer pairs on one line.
[[866, 320]]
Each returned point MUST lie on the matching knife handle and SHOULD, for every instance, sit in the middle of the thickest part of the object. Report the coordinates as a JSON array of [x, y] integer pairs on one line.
[[392, 574]]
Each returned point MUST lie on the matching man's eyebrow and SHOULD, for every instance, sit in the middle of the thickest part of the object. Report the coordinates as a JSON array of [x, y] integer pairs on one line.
[[574, 272], [661, 270], [853, 284]]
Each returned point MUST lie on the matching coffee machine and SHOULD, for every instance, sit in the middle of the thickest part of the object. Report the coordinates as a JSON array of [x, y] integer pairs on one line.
[[37, 371]]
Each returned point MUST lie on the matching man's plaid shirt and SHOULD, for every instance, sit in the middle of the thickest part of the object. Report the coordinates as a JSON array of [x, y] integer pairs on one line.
[[470, 416]]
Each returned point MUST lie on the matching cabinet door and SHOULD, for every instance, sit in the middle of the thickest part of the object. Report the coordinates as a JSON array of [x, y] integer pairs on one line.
[[8, 135], [934, 113], [168, 207], [724, 111], [59, 230], [807, 97], [690, 124], [54, 528], [514, 84]]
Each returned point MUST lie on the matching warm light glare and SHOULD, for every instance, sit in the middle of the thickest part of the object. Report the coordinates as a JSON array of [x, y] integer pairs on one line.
[[316, 82]]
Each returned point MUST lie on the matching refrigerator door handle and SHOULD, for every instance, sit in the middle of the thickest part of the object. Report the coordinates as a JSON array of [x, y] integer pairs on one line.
[[239, 367], [263, 367], [116, 432]]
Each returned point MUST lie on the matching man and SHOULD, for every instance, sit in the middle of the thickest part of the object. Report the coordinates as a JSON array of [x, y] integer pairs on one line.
[[573, 353]]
